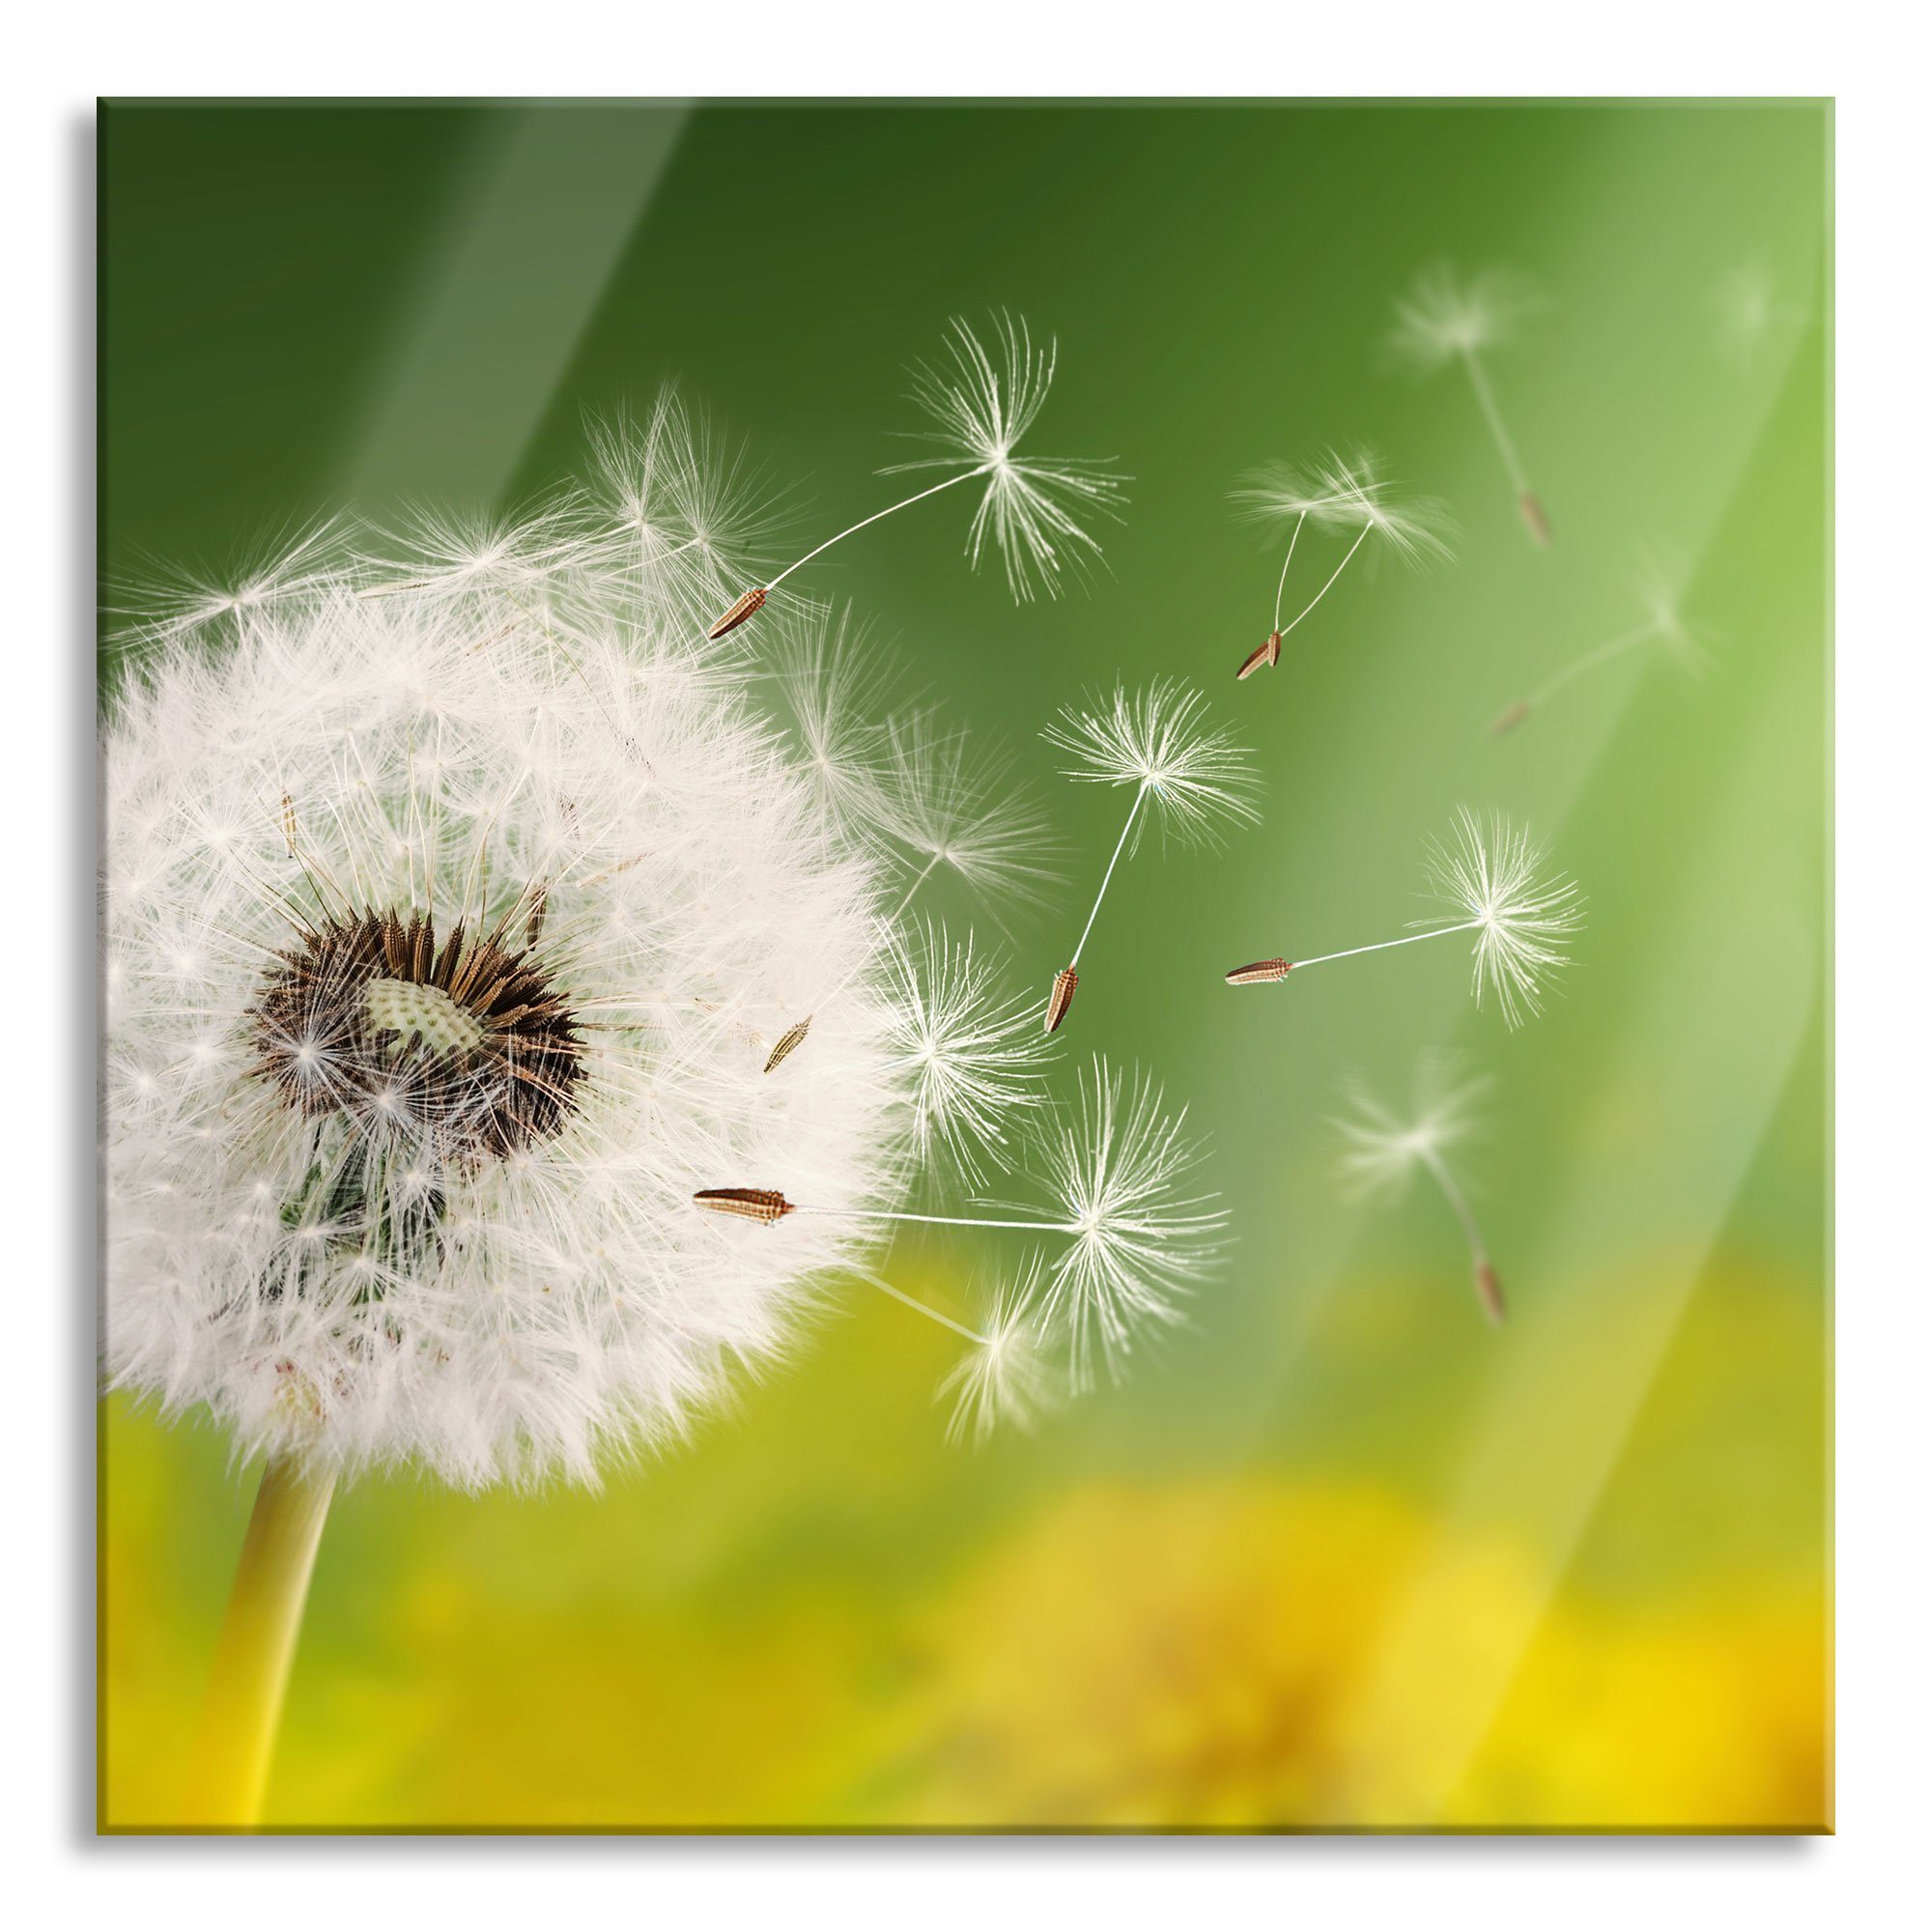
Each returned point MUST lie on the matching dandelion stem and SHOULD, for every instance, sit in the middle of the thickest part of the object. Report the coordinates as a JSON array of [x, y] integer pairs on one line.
[[891, 509], [924, 873], [229, 1772], [920, 1308], [1589, 661], [891, 919], [1323, 591], [1118, 847], [937, 1220], [1382, 944], [1295, 537], [1457, 1201], [1486, 400]]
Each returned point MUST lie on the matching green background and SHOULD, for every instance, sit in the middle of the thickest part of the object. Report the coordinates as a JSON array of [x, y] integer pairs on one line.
[[1344, 1555]]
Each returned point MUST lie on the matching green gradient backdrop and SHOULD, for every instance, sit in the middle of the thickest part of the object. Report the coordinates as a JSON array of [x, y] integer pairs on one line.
[[1240, 1590]]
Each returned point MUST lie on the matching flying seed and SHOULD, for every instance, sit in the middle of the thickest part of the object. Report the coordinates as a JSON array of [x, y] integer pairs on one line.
[[752, 1204], [792, 1037], [1269, 654], [1490, 1291], [1531, 506], [1061, 997], [1262, 973], [742, 611], [289, 822], [1506, 721]]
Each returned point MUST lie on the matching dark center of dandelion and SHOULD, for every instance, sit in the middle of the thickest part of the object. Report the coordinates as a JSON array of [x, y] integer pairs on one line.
[[466, 1043]]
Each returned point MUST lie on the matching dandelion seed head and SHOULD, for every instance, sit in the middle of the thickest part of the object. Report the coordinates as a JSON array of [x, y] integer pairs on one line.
[[1009, 1377], [1383, 1147], [1034, 509], [951, 801], [1657, 592], [1342, 492], [176, 605], [1197, 776], [833, 679], [1283, 492], [1491, 872], [1120, 1166], [972, 1049], [1355, 492], [474, 973], [1445, 315], [684, 509]]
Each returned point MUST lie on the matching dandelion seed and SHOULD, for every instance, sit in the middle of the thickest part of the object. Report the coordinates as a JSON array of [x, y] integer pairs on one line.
[[1521, 916], [952, 801], [947, 798], [1267, 652], [975, 1060], [762, 1204], [436, 555], [688, 512], [1066, 983], [1262, 973], [1384, 1149], [833, 682], [980, 404], [1134, 1242], [1189, 777], [1661, 628], [1443, 320], [1007, 1379], [177, 607], [788, 1042], [1340, 492], [742, 611]]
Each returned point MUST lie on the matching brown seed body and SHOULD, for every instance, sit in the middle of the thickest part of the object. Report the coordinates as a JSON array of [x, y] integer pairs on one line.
[[501, 1076], [1490, 1292], [1533, 516], [1506, 721], [1061, 997], [1269, 653], [1262, 973], [750, 1204], [791, 1038], [742, 611]]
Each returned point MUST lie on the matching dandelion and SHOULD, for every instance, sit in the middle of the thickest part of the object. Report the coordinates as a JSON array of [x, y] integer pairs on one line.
[[1384, 1150], [1341, 493], [424, 986], [1522, 916], [1443, 320], [980, 402], [1661, 628], [1189, 777], [1133, 1242]]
